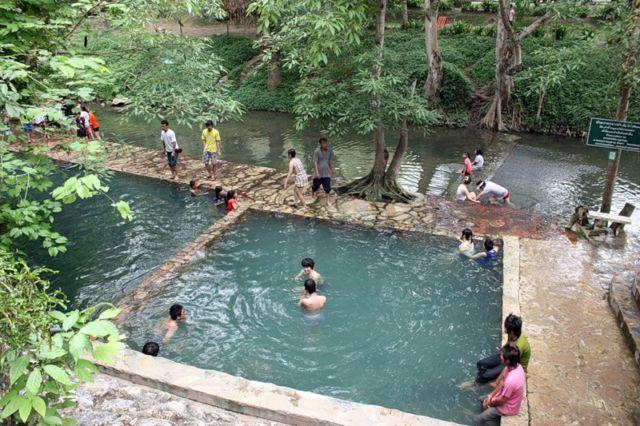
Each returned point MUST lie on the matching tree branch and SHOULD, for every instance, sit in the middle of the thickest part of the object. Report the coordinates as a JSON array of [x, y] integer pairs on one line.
[[535, 25], [82, 19]]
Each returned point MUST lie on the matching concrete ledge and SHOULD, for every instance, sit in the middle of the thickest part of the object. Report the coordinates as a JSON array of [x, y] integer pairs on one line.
[[626, 311], [253, 398], [511, 304]]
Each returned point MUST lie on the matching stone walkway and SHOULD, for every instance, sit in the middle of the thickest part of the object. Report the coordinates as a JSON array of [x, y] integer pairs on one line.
[[262, 188], [110, 401], [581, 370]]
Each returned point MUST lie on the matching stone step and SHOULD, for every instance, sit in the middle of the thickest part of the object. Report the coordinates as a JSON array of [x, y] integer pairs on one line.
[[627, 311]]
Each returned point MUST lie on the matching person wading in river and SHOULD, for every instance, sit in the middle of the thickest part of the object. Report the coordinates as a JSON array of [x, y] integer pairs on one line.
[[322, 168]]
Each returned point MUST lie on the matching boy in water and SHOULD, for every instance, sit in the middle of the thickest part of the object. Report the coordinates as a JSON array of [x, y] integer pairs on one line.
[[307, 270], [490, 251], [311, 300], [176, 314]]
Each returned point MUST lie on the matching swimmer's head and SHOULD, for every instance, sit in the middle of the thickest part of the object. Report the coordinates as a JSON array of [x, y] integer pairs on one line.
[[291, 153], [231, 194], [510, 355], [466, 180], [192, 184], [513, 324], [176, 312], [488, 244], [310, 286], [467, 234], [151, 348], [481, 184], [217, 190], [307, 264]]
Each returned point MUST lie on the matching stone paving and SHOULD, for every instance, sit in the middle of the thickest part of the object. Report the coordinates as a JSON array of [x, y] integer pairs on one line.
[[110, 401]]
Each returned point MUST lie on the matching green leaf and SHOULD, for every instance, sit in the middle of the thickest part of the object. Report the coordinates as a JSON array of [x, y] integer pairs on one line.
[[106, 351], [24, 408], [34, 381], [17, 368], [109, 313], [50, 352], [53, 420], [11, 407], [58, 315], [71, 320], [84, 370], [57, 374], [39, 405], [99, 328], [78, 344]]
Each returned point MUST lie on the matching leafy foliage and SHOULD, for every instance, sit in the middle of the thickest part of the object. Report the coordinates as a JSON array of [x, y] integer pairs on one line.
[[37, 366]]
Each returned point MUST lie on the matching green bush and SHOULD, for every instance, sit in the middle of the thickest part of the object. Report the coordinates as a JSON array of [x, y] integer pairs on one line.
[[539, 10], [560, 32], [446, 5], [455, 92], [538, 32], [234, 51], [458, 3], [490, 6], [253, 93], [456, 28], [466, 6]]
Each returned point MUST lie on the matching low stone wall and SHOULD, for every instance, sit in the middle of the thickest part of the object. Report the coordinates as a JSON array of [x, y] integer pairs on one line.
[[263, 400]]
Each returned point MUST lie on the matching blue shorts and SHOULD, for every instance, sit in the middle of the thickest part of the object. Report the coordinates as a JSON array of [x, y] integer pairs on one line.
[[28, 127], [210, 157], [172, 160], [325, 182]]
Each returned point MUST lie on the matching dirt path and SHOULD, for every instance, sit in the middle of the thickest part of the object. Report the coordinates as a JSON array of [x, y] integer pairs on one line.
[[581, 371]]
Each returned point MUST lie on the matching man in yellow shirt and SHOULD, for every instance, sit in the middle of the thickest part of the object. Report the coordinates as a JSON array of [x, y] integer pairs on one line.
[[211, 143]]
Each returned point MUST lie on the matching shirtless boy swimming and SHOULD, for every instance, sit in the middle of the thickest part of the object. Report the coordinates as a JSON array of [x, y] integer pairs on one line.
[[176, 314], [311, 300], [307, 270]]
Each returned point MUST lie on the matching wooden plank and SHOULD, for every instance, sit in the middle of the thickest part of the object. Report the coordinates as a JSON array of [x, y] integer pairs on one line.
[[610, 217]]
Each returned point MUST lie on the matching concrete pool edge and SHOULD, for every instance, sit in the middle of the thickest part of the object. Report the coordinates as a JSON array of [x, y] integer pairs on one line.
[[258, 399], [511, 304]]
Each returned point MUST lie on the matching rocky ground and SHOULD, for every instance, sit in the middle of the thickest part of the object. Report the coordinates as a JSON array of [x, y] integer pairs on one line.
[[114, 402]]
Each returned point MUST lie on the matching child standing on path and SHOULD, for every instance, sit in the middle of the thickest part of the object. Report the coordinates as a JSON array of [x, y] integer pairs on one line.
[[296, 168]]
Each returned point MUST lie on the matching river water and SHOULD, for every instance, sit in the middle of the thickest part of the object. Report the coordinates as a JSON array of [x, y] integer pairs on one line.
[[544, 173]]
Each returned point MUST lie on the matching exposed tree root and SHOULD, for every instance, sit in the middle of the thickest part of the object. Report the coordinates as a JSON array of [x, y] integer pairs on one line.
[[372, 189]]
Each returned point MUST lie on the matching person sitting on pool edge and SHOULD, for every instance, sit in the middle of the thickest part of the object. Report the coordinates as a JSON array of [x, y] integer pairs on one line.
[[490, 368], [176, 313], [151, 348], [307, 269], [490, 251], [506, 398], [310, 299]]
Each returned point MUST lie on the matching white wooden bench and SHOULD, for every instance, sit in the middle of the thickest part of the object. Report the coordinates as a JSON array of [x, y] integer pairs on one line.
[[617, 221]]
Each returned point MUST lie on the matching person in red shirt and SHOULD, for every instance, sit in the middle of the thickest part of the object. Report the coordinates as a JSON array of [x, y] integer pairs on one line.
[[466, 170], [232, 200], [95, 125]]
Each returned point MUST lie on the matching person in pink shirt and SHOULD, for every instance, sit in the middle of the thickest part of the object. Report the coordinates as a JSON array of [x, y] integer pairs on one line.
[[466, 170], [505, 400]]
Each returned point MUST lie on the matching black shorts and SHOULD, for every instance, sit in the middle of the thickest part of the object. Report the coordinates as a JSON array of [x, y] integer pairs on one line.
[[96, 129], [325, 182]]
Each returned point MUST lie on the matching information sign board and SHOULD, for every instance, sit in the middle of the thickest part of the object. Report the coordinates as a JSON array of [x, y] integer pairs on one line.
[[614, 134]]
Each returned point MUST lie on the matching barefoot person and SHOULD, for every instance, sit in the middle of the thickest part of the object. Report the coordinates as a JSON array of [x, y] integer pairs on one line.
[[307, 270], [478, 160], [466, 246], [493, 191], [322, 168], [169, 147], [231, 200], [463, 193], [490, 368], [507, 397], [310, 299], [211, 145], [95, 124], [467, 168], [176, 315], [297, 169]]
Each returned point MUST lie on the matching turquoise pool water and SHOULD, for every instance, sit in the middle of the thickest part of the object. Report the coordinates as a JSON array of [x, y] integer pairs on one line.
[[405, 321], [106, 256]]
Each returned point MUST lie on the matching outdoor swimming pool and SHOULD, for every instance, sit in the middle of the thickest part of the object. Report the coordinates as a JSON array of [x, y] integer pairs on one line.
[[405, 321], [106, 256]]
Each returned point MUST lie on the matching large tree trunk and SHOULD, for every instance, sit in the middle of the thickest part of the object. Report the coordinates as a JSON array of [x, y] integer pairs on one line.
[[405, 15], [274, 76], [377, 185], [627, 84], [508, 62], [434, 60]]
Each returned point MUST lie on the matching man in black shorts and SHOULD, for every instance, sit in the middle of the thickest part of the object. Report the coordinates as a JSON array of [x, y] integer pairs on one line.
[[322, 168]]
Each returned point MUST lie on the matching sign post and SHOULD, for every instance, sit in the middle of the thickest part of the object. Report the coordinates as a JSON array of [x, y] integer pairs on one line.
[[617, 136]]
